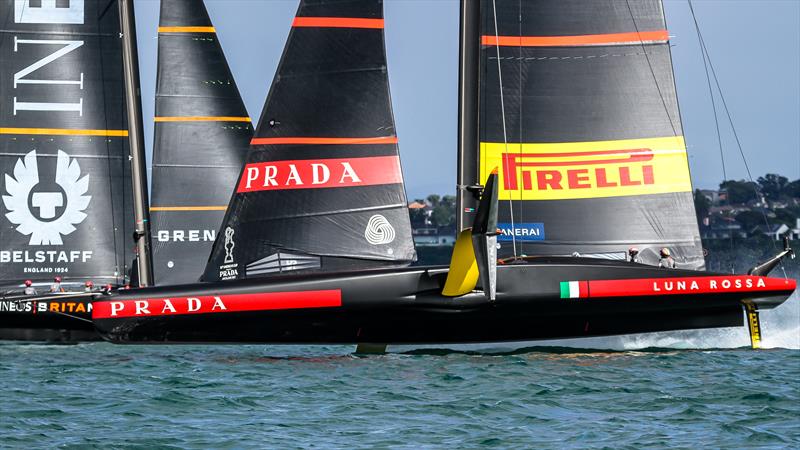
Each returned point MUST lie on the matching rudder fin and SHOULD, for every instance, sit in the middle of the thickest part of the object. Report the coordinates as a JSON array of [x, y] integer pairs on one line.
[[753, 324]]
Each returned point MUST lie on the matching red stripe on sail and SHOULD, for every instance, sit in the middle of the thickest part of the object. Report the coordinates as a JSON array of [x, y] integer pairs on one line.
[[633, 155], [337, 22], [323, 140], [206, 304], [643, 287], [577, 41], [320, 173]]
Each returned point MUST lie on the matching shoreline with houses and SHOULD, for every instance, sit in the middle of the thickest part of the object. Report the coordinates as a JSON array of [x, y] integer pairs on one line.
[[741, 223]]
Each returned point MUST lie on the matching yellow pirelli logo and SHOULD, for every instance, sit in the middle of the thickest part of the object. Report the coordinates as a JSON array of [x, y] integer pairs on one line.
[[572, 170]]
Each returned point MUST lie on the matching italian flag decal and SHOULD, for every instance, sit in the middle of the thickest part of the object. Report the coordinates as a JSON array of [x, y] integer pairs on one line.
[[574, 289]]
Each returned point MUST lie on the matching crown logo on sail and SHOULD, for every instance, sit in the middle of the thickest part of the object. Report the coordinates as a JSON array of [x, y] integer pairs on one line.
[[42, 208]]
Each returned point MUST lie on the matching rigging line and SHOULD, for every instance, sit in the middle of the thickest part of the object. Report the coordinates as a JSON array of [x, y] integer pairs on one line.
[[503, 115], [716, 115], [652, 72], [521, 121], [703, 48], [108, 163], [710, 90]]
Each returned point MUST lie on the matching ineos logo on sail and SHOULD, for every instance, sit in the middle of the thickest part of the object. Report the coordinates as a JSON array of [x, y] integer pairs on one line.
[[47, 12]]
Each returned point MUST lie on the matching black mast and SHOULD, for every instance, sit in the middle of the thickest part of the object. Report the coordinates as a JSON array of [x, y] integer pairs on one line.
[[468, 94], [130, 63]]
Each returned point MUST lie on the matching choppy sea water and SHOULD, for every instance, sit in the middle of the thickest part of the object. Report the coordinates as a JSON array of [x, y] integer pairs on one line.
[[700, 393]]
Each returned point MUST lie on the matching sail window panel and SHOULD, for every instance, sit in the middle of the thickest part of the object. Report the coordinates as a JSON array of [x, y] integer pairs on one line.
[[571, 17], [592, 225], [289, 203], [194, 65], [202, 143], [346, 104], [580, 94], [325, 50], [322, 235], [341, 8], [183, 13]]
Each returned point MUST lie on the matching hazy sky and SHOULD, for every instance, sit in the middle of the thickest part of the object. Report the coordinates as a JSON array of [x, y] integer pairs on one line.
[[754, 45]]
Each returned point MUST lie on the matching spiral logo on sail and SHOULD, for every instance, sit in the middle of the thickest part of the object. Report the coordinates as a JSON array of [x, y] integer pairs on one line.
[[379, 230]]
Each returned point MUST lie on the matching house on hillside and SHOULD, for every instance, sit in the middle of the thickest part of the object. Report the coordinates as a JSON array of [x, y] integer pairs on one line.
[[432, 237], [775, 230], [795, 232], [711, 195], [722, 229]]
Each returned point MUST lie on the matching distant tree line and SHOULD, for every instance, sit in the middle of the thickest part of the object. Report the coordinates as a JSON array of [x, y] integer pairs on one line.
[[772, 194]]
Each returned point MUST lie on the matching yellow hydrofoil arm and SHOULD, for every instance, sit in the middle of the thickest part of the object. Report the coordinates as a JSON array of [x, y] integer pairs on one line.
[[463, 275]]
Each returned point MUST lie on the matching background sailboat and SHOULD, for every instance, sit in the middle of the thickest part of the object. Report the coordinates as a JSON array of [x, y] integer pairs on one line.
[[66, 205], [66, 199], [322, 187], [202, 134]]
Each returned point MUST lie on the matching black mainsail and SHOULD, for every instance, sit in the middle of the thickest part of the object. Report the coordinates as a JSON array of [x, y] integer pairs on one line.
[[578, 111], [322, 187], [202, 134], [66, 197]]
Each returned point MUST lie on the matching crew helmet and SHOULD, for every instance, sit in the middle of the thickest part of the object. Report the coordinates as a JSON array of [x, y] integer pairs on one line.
[[664, 252], [89, 283], [633, 251], [57, 279], [28, 283]]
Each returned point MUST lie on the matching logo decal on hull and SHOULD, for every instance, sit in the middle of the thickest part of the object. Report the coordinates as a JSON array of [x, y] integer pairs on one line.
[[645, 287], [46, 209], [206, 304]]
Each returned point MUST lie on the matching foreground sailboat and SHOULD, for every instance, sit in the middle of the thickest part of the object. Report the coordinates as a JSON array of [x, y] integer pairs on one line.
[[315, 243], [66, 197]]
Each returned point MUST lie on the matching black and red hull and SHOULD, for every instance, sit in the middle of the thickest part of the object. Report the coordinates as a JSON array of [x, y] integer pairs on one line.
[[51, 319], [405, 306]]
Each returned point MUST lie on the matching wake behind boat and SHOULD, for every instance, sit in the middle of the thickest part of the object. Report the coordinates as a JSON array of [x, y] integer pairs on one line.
[[315, 243]]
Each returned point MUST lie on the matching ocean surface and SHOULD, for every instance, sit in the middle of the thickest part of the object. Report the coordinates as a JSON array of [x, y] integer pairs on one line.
[[690, 390]]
